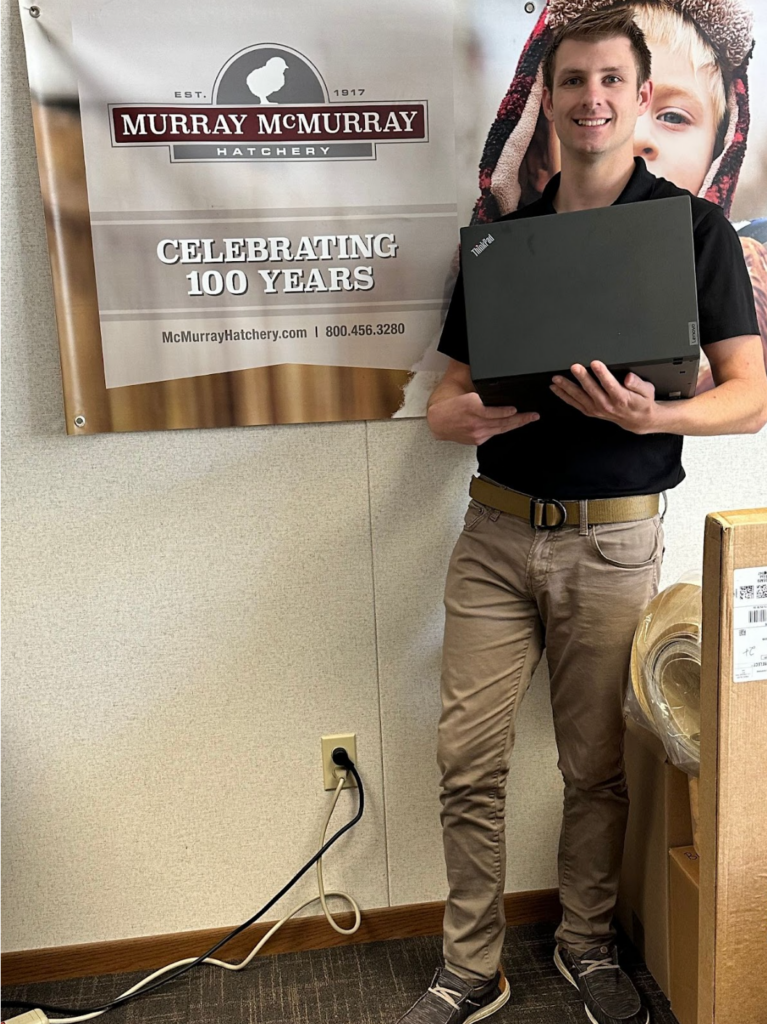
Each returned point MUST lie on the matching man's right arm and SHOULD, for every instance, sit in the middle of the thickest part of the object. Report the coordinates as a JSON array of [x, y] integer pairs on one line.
[[456, 413]]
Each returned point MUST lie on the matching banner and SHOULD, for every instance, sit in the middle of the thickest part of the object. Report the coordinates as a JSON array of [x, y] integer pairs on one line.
[[253, 217]]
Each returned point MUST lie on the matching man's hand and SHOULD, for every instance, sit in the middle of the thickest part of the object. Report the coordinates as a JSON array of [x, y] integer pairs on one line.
[[465, 419], [456, 412], [631, 405]]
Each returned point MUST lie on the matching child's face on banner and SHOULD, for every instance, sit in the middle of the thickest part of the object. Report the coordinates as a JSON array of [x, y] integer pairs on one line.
[[676, 136]]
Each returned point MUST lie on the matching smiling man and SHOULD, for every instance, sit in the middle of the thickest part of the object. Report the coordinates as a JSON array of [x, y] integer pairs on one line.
[[561, 549]]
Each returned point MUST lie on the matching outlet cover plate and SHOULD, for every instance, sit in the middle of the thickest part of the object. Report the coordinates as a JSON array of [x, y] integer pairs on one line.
[[329, 743]]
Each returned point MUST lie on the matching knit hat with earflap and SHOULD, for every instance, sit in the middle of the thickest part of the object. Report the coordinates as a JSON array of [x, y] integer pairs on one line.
[[725, 24]]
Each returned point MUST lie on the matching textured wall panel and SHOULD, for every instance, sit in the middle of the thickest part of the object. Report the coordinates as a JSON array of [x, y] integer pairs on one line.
[[185, 613]]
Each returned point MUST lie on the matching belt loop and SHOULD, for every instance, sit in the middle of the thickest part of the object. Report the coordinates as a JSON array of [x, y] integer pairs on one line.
[[583, 517]]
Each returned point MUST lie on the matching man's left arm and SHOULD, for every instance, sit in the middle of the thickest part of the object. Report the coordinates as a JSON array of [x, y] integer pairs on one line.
[[729, 336], [737, 405]]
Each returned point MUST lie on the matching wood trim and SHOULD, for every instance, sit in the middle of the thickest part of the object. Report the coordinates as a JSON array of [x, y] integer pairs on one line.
[[153, 951]]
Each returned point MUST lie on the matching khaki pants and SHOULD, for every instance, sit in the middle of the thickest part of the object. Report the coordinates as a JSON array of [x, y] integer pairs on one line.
[[511, 591]]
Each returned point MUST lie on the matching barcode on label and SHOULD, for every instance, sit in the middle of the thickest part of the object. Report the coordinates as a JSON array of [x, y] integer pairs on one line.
[[757, 615]]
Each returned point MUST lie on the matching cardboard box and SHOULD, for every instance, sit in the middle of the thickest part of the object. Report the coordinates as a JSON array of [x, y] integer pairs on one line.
[[732, 987], [684, 883], [659, 818]]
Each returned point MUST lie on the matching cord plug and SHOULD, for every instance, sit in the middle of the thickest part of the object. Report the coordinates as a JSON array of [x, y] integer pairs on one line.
[[30, 1017], [341, 757]]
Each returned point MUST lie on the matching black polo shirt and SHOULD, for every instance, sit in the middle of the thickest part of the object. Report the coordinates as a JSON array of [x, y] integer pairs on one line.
[[568, 455]]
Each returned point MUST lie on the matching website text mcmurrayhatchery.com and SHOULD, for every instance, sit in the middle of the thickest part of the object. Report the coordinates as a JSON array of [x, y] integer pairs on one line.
[[219, 337]]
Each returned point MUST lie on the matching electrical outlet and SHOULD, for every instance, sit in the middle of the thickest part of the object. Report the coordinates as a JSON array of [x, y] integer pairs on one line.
[[329, 744]]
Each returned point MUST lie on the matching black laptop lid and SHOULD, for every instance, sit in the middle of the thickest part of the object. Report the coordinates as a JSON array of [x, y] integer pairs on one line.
[[616, 283]]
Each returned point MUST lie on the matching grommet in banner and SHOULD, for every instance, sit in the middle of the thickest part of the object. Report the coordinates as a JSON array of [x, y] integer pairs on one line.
[[34, 11], [79, 421], [529, 8]]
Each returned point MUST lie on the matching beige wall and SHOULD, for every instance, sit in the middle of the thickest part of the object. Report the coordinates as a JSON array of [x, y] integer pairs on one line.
[[185, 613]]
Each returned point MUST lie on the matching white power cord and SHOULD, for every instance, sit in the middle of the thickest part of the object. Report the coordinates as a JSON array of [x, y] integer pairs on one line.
[[38, 1017]]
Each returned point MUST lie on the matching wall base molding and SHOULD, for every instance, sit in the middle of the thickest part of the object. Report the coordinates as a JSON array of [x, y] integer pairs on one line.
[[150, 952]]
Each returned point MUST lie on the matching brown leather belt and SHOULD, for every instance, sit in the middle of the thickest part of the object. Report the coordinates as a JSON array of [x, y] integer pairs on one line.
[[550, 514]]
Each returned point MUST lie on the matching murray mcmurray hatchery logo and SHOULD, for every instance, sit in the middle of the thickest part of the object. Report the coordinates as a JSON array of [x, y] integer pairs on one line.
[[270, 103]]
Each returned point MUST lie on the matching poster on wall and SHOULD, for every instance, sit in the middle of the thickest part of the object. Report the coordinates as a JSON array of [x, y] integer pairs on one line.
[[254, 218], [250, 212]]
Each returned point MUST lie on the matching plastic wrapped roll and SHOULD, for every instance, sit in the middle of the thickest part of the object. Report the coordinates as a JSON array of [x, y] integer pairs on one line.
[[665, 672]]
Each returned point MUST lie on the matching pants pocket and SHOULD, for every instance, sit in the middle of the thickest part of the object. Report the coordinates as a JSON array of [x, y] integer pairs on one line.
[[475, 513], [629, 545]]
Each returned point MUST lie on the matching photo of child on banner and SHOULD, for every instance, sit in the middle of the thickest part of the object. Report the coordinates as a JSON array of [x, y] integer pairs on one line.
[[695, 133]]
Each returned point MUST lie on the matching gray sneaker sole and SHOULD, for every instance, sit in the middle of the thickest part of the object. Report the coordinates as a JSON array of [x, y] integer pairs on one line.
[[560, 965]]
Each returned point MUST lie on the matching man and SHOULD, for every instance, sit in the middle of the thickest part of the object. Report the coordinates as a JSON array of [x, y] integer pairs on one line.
[[694, 133], [522, 575]]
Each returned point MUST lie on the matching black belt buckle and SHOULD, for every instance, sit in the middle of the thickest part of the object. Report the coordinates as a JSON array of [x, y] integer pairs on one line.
[[543, 525]]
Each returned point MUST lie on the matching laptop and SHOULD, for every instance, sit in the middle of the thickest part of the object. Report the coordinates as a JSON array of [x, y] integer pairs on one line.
[[615, 284]]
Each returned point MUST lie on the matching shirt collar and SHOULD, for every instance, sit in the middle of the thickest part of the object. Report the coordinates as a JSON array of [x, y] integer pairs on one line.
[[639, 187]]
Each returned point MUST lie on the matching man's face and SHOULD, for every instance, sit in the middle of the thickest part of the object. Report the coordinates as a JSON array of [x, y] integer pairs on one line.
[[676, 135], [594, 103]]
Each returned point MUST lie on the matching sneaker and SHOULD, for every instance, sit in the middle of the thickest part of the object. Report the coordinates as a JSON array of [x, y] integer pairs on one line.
[[607, 991], [451, 1000]]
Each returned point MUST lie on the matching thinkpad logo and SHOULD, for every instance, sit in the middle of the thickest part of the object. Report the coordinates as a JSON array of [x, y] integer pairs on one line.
[[481, 246], [270, 103]]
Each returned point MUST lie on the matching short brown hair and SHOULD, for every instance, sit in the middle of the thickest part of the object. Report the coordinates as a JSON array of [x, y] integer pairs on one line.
[[617, 21]]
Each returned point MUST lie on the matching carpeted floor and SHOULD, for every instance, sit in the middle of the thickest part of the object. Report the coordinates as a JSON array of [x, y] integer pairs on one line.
[[365, 984]]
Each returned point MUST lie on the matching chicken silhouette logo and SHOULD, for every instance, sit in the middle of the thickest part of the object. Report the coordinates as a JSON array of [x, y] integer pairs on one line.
[[271, 103], [269, 79], [268, 74]]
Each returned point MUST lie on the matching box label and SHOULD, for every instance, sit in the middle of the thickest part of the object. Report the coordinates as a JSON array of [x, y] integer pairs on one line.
[[749, 625]]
